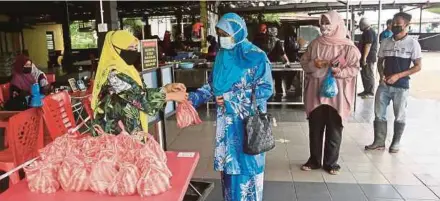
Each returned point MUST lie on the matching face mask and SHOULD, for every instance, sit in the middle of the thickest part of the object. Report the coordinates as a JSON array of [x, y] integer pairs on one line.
[[129, 56], [228, 42], [27, 70], [325, 29], [396, 29]]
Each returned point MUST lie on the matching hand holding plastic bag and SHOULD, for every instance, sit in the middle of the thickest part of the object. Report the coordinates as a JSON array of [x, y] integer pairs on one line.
[[329, 88]]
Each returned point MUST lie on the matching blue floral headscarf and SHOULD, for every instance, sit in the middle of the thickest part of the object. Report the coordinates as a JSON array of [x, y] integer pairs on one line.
[[231, 64]]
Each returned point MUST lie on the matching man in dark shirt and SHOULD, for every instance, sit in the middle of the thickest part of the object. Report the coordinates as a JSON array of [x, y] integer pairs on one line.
[[368, 48], [276, 54], [291, 47], [261, 39], [396, 54]]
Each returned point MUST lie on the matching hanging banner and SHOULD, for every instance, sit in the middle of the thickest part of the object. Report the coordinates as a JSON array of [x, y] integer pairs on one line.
[[149, 54]]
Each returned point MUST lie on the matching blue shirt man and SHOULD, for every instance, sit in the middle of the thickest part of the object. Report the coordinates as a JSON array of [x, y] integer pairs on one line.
[[387, 33]]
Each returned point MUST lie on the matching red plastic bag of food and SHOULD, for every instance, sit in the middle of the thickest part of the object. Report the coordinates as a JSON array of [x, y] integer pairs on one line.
[[186, 115], [152, 154], [102, 175], [153, 181], [125, 181], [73, 174], [41, 177]]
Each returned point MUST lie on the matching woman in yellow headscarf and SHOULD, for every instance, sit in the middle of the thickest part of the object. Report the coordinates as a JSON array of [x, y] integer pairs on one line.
[[119, 93]]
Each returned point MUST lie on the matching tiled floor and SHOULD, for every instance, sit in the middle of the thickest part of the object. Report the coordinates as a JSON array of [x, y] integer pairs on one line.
[[412, 174]]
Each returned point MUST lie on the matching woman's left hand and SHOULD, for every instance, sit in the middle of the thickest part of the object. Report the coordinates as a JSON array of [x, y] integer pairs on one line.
[[175, 87], [176, 96], [336, 70]]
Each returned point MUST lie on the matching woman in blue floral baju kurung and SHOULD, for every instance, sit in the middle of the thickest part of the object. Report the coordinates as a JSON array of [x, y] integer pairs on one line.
[[239, 67]]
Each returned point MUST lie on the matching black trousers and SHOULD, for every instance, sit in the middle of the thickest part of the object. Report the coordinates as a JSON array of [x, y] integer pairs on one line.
[[278, 78], [324, 118], [367, 75]]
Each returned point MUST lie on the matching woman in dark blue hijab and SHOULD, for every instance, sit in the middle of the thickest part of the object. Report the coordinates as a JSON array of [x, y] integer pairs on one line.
[[239, 66]]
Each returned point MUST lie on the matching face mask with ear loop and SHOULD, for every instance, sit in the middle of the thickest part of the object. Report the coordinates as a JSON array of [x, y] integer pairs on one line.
[[129, 56], [228, 42]]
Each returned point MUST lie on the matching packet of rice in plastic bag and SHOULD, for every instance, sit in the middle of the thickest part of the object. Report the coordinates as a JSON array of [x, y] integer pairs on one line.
[[125, 181], [41, 177], [73, 175], [153, 181], [187, 115]]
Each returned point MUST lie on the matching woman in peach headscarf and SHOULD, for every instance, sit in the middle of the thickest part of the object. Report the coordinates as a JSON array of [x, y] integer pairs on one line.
[[330, 50]]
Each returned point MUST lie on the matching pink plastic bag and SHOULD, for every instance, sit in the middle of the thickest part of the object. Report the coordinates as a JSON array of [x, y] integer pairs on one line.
[[186, 115], [102, 175], [41, 177], [73, 174], [125, 181], [153, 181]]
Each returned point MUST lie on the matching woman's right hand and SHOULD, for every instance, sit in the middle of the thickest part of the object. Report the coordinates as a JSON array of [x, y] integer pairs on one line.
[[220, 100], [321, 63], [177, 96]]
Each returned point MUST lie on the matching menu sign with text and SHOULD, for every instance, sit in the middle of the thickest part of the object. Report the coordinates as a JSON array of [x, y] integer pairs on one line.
[[149, 53]]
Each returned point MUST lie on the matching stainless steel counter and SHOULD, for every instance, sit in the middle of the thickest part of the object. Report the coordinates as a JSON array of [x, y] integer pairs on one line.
[[198, 76]]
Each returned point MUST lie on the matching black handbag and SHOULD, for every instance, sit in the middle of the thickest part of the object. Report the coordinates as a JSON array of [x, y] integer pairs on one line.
[[258, 136]]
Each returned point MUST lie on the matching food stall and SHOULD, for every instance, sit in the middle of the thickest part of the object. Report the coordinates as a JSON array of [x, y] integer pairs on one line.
[[181, 164]]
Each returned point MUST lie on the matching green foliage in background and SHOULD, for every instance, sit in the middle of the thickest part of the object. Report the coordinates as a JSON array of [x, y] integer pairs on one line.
[[133, 25], [435, 10], [266, 18], [82, 40]]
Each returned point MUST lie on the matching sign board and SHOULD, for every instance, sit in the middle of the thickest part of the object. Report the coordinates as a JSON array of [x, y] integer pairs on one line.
[[149, 54]]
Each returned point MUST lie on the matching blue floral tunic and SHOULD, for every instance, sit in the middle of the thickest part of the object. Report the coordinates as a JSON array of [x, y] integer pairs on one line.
[[242, 174]]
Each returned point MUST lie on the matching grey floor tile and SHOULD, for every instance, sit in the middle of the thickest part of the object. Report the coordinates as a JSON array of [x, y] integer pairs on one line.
[[216, 193], [305, 190], [380, 199], [421, 200], [343, 191], [314, 199], [349, 199], [279, 191], [416, 192], [373, 191]]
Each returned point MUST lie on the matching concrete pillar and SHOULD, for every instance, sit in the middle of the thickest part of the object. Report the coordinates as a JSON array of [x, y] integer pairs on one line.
[[378, 19], [147, 27], [420, 21], [179, 23], [347, 13], [353, 18], [110, 18], [204, 21]]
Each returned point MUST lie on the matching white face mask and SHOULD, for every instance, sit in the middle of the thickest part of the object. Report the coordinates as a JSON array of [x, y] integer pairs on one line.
[[325, 29], [228, 42]]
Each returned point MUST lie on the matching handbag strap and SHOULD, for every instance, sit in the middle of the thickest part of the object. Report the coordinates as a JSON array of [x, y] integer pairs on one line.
[[254, 100]]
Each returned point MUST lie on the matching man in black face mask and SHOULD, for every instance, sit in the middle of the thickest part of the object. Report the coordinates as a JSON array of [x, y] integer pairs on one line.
[[395, 57]]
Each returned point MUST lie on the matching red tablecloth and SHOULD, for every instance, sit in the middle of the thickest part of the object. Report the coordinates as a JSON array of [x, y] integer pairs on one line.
[[182, 169]]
